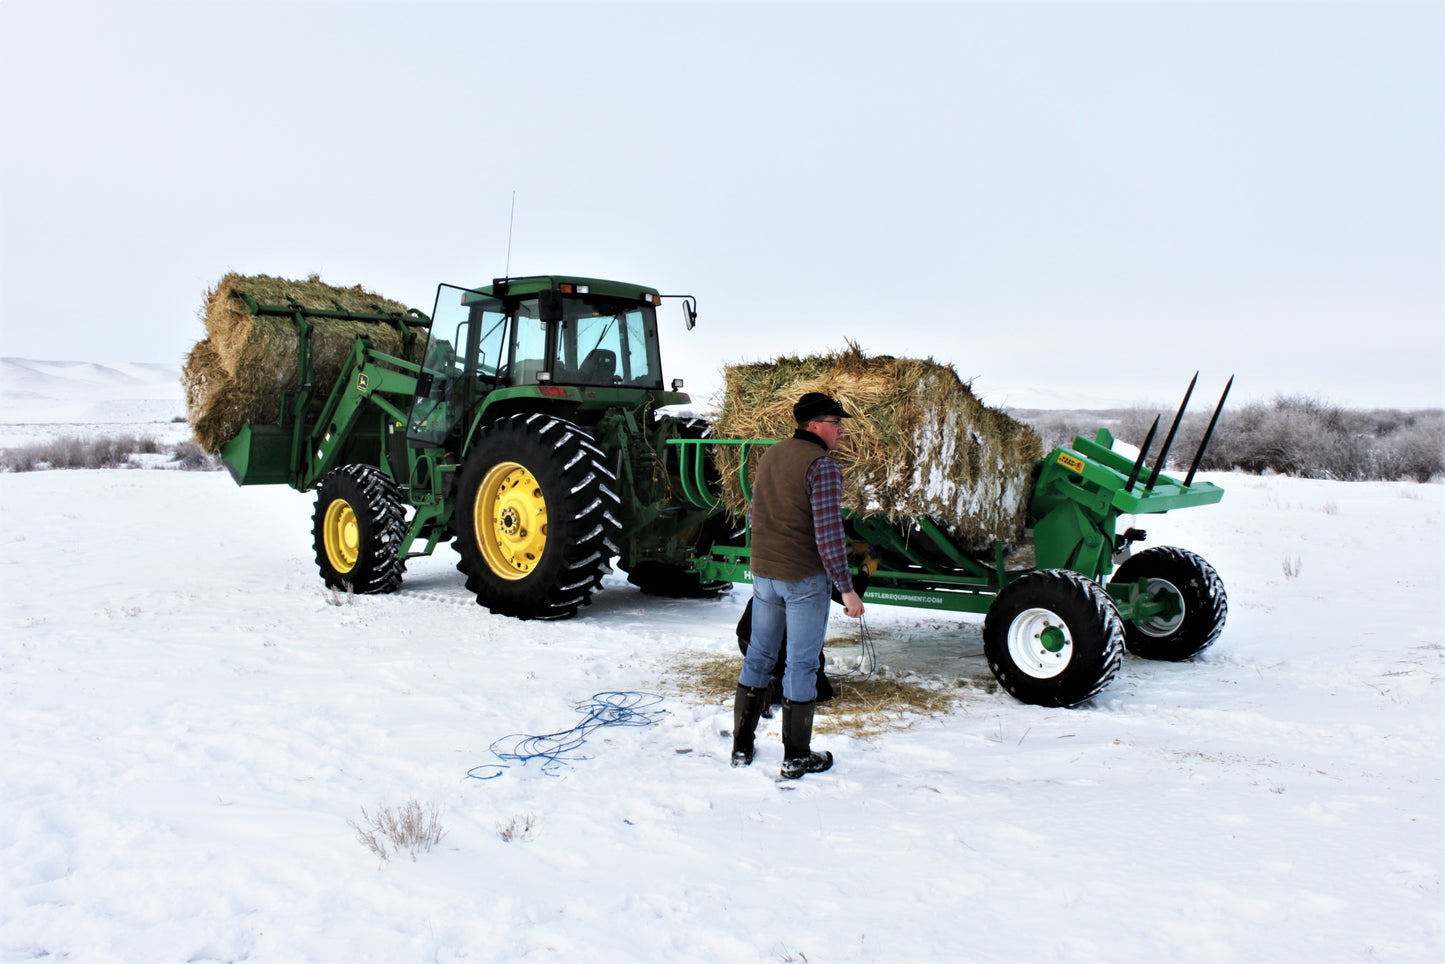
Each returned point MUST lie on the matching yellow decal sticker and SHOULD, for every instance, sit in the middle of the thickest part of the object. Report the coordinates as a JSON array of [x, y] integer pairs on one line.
[[1071, 463], [361, 383]]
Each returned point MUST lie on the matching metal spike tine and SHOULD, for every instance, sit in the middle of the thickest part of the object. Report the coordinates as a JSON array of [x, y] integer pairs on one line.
[[1143, 454], [1208, 432], [1169, 439]]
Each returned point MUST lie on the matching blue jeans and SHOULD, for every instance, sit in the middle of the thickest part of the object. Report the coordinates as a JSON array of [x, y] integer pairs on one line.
[[801, 607]]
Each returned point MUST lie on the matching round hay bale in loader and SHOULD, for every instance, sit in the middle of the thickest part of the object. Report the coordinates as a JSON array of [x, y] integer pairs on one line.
[[239, 372], [920, 443]]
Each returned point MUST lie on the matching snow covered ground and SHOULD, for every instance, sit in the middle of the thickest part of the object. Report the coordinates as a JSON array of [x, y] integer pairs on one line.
[[191, 723]]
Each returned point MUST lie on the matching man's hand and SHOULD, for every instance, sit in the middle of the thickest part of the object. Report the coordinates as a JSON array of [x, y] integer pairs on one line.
[[852, 604]]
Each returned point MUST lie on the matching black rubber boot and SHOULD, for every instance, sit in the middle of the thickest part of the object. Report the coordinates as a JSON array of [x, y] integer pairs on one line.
[[798, 755], [748, 705]]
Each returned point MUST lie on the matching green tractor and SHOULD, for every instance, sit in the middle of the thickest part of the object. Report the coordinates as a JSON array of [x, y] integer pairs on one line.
[[530, 434], [535, 433]]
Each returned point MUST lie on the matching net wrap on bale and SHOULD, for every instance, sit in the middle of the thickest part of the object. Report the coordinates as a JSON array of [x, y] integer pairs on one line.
[[919, 444], [241, 370]]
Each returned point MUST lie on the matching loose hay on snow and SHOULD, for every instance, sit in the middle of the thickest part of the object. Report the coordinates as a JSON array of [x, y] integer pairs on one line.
[[239, 372], [861, 707], [919, 444]]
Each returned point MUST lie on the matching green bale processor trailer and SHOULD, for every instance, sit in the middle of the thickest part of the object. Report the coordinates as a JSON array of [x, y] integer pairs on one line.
[[535, 435]]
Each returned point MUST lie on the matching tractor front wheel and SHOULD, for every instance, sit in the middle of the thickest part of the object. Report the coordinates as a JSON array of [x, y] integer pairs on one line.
[[1194, 598], [357, 530], [536, 517], [1053, 638]]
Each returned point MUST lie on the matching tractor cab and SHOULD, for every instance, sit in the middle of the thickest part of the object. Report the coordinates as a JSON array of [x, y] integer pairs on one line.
[[529, 337]]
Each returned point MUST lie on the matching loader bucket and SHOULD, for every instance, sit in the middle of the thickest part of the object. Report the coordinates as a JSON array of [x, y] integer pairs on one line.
[[259, 455]]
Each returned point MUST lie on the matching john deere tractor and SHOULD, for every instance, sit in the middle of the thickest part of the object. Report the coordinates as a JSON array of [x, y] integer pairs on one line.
[[531, 434]]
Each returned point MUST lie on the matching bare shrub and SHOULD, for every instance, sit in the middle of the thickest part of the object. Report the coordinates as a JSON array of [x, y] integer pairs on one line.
[[1292, 567], [1413, 449], [1292, 435], [411, 829], [1311, 439], [105, 452], [1058, 429], [25, 459], [74, 452], [190, 457]]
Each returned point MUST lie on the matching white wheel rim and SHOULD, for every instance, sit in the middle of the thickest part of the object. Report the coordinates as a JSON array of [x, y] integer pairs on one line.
[[1162, 626], [1039, 643]]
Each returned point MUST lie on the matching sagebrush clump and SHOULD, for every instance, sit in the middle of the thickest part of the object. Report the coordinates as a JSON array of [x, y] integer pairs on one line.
[[1291, 435], [104, 452]]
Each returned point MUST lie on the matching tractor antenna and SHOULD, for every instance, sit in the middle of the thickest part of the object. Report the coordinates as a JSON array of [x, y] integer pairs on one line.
[[510, 219]]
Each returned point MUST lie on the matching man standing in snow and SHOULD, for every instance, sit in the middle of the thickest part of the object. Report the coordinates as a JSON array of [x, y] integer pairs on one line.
[[799, 550]]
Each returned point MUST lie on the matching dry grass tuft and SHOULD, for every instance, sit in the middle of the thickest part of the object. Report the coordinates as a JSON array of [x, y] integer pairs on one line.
[[861, 707], [410, 828], [920, 443]]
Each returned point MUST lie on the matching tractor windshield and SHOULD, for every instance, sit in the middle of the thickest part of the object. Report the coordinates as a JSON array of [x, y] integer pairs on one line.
[[481, 342], [599, 341]]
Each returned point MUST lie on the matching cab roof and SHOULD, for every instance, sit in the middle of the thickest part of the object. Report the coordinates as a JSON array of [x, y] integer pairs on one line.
[[511, 287]]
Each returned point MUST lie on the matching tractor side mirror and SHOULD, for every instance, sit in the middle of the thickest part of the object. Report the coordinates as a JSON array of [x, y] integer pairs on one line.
[[549, 305], [689, 309]]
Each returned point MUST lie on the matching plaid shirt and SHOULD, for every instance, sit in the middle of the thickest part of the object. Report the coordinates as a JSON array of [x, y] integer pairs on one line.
[[825, 492]]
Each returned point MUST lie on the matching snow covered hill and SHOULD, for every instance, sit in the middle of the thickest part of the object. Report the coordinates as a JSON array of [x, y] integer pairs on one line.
[[60, 392], [44, 398]]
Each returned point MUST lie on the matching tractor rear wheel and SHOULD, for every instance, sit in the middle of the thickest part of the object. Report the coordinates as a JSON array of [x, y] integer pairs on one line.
[[357, 530], [536, 517], [1199, 604], [1053, 638]]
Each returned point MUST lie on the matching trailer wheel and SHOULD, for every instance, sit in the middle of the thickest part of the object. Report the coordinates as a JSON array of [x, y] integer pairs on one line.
[[1053, 638], [536, 517], [1199, 608], [357, 530]]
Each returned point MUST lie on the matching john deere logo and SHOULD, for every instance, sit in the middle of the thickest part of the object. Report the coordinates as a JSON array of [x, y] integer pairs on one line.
[[361, 383], [1071, 463]]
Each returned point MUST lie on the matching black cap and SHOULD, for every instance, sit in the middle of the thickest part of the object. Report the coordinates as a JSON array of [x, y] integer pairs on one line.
[[815, 405]]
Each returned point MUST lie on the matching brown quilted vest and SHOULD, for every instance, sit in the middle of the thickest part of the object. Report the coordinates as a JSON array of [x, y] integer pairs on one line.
[[785, 546]]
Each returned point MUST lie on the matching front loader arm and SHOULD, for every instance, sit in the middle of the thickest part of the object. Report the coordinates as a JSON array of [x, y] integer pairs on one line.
[[368, 377]]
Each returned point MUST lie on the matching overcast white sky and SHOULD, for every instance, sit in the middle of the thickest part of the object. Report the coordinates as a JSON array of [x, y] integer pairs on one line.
[[1071, 202]]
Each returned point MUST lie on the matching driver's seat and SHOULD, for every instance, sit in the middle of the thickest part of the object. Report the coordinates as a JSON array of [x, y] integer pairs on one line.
[[598, 368]]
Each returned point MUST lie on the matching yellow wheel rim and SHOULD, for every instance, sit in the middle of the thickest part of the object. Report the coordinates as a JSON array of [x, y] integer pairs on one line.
[[510, 518], [341, 534]]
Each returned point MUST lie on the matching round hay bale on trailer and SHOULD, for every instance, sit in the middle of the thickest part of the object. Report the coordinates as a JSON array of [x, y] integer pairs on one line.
[[920, 443]]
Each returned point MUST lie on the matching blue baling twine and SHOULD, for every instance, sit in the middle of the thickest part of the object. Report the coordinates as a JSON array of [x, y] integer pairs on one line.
[[604, 709]]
